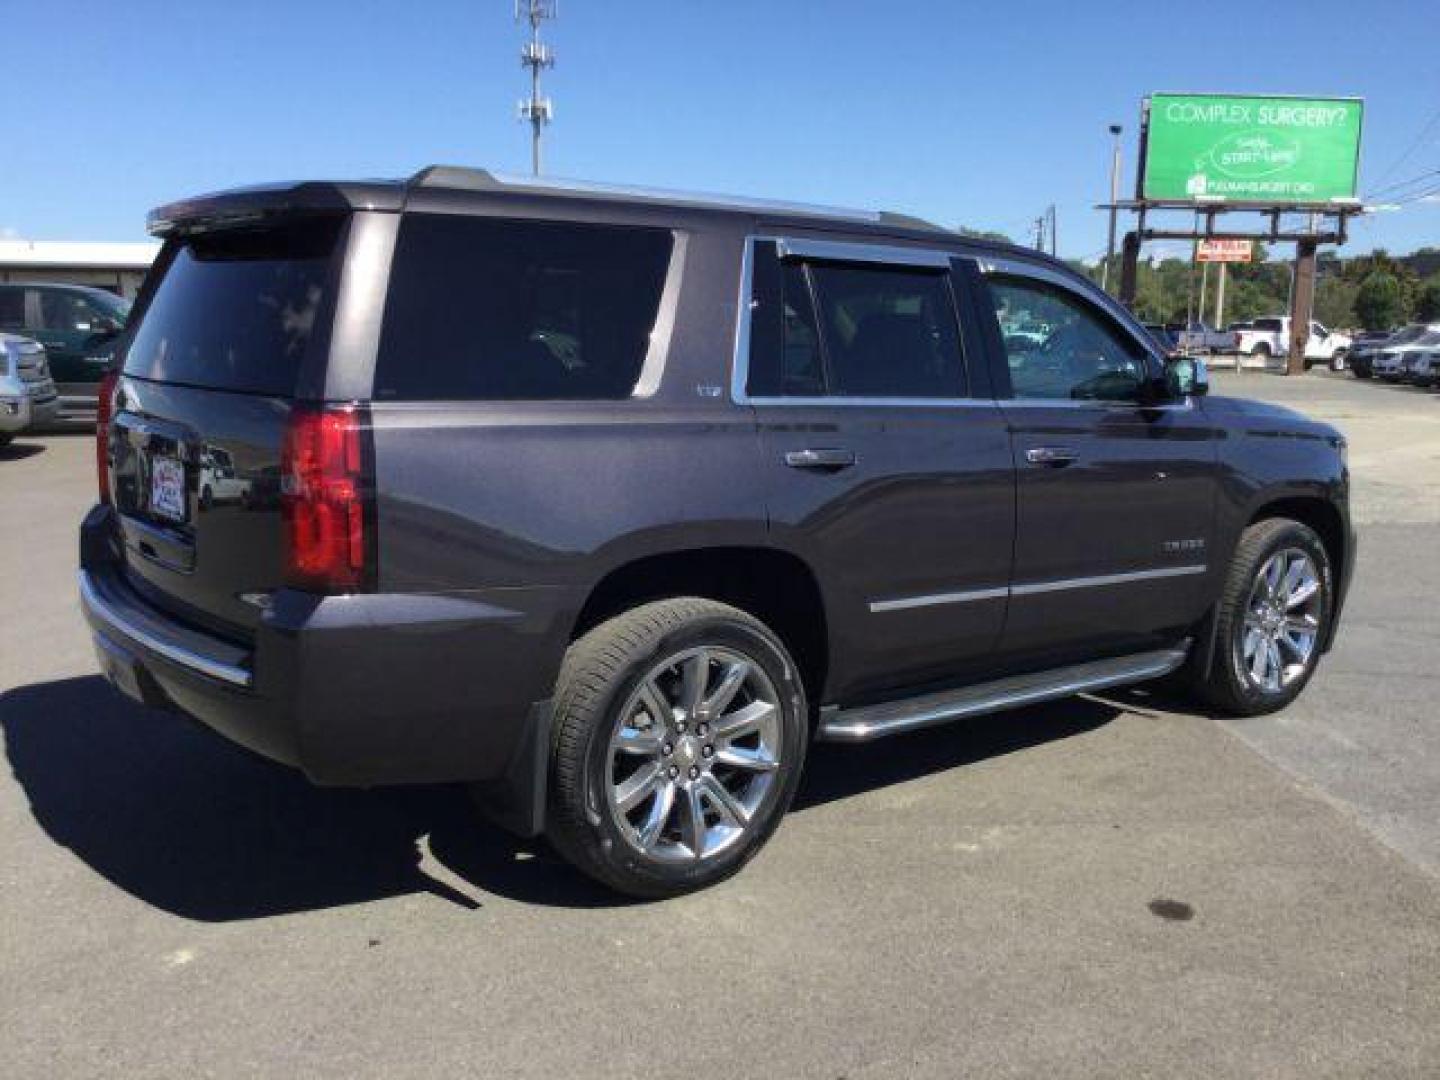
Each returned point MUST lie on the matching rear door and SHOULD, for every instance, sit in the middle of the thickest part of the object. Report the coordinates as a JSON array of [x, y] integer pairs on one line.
[[888, 464], [1115, 497], [234, 328]]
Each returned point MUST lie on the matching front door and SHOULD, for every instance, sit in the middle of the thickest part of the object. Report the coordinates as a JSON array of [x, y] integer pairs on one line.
[[886, 471], [73, 330], [1115, 492]]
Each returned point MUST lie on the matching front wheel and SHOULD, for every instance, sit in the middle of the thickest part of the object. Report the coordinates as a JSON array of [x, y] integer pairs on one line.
[[1273, 615], [680, 730]]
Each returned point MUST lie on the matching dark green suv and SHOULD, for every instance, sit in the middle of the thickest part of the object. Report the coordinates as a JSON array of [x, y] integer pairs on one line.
[[77, 325]]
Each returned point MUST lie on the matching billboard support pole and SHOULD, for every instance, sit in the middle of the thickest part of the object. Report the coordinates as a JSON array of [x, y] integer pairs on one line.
[[1302, 299], [1129, 268], [1220, 297]]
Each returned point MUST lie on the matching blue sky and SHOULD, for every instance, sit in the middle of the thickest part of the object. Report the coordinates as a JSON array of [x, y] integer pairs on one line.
[[974, 113]]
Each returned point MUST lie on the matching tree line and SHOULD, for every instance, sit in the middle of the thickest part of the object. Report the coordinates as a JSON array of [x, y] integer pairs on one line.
[[1377, 291]]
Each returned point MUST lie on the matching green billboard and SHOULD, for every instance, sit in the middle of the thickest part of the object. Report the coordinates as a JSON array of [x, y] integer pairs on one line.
[[1223, 148]]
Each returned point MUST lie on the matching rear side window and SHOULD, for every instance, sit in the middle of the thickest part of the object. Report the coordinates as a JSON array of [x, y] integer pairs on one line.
[[486, 309], [237, 310], [852, 330]]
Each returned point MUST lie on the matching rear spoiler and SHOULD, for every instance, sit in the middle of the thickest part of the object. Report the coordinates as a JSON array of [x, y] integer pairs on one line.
[[245, 207]]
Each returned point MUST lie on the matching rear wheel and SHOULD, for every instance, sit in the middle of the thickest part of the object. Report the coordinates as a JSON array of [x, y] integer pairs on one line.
[[1272, 617], [1337, 362], [1261, 352], [680, 732], [6, 438]]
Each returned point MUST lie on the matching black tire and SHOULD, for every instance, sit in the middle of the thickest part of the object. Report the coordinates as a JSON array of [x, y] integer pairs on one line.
[[6, 438], [207, 498], [1261, 352], [1337, 361], [600, 672], [1227, 686]]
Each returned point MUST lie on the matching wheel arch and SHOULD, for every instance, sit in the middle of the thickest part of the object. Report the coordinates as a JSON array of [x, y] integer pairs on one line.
[[772, 584]]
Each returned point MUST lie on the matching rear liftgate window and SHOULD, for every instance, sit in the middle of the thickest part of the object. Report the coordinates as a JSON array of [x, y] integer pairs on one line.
[[486, 310], [237, 310]]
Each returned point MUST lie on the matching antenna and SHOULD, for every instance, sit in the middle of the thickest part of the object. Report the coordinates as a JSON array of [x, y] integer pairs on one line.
[[536, 55]]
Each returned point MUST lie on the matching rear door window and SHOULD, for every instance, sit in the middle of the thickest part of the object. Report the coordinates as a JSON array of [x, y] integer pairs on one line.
[[852, 330], [12, 308], [238, 310], [487, 309]]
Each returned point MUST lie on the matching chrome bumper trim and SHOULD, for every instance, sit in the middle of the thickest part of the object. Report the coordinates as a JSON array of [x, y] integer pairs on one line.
[[176, 654]]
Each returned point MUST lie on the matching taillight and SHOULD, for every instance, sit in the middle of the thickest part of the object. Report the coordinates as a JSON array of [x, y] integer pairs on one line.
[[104, 411], [323, 497]]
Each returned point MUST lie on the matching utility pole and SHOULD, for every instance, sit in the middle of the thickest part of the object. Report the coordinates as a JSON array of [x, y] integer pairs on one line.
[[1040, 233], [1115, 130], [1219, 323], [1054, 231], [536, 55]]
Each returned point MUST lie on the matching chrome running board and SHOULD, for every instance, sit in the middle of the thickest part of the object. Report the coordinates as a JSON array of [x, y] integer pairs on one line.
[[894, 717]]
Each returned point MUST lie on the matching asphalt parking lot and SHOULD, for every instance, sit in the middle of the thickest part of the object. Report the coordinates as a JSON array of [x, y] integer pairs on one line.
[[1106, 887]]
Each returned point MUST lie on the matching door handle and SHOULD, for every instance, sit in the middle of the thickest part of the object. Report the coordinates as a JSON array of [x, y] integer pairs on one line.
[[820, 459], [1053, 457]]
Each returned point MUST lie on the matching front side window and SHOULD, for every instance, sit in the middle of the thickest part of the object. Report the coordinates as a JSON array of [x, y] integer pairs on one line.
[[12, 308], [67, 311], [1058, 346], [484, 309]]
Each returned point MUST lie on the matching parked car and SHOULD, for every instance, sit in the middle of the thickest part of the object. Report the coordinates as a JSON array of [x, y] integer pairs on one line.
[[1362, 351], [1423, 368], [1201, 338], [27, 393], [1389, 363], [608, 502], [1267, 338], [78, 326]]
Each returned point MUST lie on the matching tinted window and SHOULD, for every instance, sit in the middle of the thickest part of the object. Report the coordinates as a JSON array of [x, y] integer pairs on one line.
[[12, 308], [483, 309], [784, 344], [69, 311], [236, 311], [1271, 325], [1058, 346], [888, 332]]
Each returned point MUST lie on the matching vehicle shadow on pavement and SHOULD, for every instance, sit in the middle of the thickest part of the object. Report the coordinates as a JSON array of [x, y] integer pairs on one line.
[[835, 771], [190, 824], [18, 451], [183, 820]]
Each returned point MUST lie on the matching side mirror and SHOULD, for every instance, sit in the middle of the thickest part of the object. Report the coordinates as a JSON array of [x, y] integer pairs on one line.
[[1186, 376], [105, 326]]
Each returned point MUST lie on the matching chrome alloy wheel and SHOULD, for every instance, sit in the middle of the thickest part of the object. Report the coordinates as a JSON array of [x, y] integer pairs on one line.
[[694, 754], [1282, 621]]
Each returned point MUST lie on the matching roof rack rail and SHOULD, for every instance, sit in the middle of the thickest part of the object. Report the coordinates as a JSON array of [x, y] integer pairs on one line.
[[471, 179]]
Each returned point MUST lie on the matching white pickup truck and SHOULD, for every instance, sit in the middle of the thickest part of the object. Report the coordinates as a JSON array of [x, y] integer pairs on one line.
[[1266, 338]]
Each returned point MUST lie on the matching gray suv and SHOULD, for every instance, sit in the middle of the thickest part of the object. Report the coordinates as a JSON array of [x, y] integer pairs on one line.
[[607, 502]]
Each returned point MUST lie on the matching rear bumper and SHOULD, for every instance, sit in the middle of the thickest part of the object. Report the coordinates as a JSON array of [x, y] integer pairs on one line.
[[353, 690]]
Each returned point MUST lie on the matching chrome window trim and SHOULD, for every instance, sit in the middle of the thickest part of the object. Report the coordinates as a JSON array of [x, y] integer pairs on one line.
[[882, 254], [856, 252], [1034, 588], [658, 349], [216, 669]]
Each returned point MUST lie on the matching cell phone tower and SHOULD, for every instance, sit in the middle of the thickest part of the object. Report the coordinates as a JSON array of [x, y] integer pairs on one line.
[[536, 55]]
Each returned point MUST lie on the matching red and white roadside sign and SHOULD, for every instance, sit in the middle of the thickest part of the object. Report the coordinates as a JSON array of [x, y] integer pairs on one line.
[[1223, 251]]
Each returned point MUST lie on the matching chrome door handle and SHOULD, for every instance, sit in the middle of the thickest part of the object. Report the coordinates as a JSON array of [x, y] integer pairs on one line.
[[819, 459], [1055, 457]]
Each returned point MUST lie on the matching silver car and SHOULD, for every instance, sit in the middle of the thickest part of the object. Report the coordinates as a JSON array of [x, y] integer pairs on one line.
[[27, 392]]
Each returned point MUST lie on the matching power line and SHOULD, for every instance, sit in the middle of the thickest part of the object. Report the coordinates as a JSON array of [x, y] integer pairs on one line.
[[1421, 178], [1410, 150]]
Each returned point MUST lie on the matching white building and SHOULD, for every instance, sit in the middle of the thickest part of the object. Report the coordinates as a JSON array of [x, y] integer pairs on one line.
[[118, 267]]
